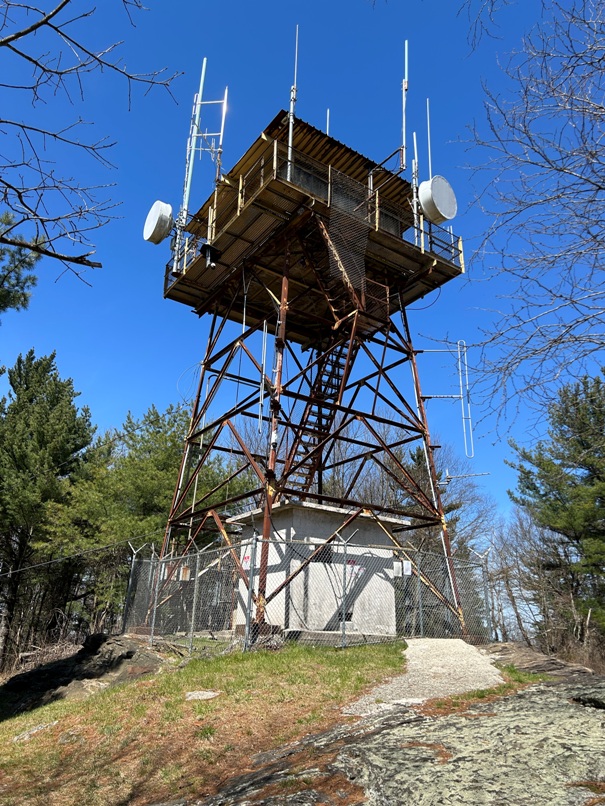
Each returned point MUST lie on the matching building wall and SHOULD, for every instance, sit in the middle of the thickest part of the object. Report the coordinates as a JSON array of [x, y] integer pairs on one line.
[[314, 599]]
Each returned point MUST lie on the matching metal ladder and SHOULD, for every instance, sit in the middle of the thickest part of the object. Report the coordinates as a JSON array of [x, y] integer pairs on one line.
[[317, 420]]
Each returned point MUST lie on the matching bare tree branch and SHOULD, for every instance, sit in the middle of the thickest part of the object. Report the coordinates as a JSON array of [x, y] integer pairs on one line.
[[35, 25], [482, 18], [51, 61], [546, 197]]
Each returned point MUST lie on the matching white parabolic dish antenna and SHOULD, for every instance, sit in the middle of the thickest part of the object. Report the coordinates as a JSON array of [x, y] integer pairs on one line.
[[158, 223], [437, 200]]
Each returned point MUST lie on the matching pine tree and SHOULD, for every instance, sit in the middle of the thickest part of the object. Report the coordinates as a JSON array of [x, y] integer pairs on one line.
[[16, 275], [562, 485], [42, 439]]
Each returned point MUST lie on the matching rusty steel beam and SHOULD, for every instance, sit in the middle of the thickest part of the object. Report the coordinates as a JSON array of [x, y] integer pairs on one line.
[[447, 548], [314, 554], [424, 578], [414, 489], [225, 535], [301, 409], [280, 343]]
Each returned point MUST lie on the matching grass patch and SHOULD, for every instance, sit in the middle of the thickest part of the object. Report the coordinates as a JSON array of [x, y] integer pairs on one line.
[[206, 732], [514, 675], [461, 702], [514, 680], [142, 741]]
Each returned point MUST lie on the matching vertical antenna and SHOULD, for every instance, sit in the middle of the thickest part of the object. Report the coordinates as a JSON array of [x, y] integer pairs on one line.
[[404, 92], [328, 121], [428, 134], [291, 113], [219, 152], [415, 190]]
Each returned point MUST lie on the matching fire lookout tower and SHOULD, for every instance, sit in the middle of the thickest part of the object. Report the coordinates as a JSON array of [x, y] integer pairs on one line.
[[303, 261]]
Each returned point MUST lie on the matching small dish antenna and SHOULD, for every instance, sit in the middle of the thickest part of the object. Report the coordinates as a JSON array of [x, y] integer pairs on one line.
[[159, 222], [437, 200]]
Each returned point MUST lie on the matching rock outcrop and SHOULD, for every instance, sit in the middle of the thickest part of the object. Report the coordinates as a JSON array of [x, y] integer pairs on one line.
[[103, 661], [544, 746]]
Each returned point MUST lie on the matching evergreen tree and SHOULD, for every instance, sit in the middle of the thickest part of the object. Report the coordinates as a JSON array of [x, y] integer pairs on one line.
[[16, 275], [42, 439], [122, 494], [562, 485]]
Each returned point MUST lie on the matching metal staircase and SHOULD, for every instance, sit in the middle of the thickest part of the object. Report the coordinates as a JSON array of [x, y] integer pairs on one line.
[[318, 418]]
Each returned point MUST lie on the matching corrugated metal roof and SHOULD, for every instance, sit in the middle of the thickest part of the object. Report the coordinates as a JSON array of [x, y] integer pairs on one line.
[[320, 146]]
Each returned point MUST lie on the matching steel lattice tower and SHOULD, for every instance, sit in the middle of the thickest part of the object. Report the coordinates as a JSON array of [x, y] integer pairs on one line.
[[303, 261]]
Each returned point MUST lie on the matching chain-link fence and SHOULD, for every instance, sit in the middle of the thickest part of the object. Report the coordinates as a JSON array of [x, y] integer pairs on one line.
[[337, 594]]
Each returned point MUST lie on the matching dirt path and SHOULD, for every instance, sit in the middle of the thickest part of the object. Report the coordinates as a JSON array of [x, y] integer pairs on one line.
[[435, 667]]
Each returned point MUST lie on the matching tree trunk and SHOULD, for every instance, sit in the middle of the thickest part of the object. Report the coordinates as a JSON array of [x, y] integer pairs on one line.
[[513, 603]]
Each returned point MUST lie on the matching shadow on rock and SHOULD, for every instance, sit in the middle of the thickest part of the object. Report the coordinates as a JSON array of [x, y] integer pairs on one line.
[[103, 661]]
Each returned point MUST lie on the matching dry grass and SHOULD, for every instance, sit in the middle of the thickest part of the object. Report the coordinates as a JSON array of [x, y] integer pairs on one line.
[[514, 680], [42, 655], [143, 743]]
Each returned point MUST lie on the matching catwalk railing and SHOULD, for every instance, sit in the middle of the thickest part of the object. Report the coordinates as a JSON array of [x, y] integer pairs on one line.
[[206, 602], [321, 182]]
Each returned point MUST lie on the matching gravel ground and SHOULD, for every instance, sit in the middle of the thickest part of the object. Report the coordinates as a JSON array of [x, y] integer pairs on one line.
[[543, 746], [436, 667]]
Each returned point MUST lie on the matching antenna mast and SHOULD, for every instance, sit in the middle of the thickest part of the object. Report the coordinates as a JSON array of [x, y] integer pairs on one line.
[[415, 202], [293, 92], [193, 134], [404, 92], [198, 141]]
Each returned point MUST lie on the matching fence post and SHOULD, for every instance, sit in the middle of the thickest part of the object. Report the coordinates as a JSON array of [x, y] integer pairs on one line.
[[420, 610], [128, 592], [127, 603], [196, 585], [344, 593], [155, 601], [250, 591]]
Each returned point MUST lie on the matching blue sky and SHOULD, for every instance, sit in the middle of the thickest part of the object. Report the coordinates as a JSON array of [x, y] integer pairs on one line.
[[121, 342]]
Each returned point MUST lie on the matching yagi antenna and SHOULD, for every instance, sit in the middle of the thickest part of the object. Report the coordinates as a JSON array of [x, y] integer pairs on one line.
[[449, 477], [293, 91]]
